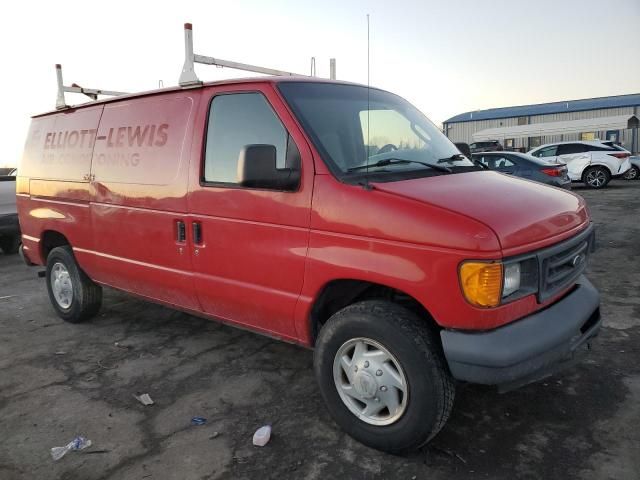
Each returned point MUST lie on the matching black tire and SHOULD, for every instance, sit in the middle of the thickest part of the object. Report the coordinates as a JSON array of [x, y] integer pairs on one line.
[[633, 173], [431, 390], [601, 177], [10, 244], [87, 295]]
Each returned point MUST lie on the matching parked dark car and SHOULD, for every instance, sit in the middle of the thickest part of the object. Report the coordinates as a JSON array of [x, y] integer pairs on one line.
[[486, 146], [526, 166]]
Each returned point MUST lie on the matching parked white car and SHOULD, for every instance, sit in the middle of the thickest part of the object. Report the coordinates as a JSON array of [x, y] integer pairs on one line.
[[595, 163]]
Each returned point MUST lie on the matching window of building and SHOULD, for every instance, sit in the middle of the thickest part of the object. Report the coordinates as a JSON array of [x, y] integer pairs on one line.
[[237, 120], [613, 135], [534, 142], [522, 120], [588, 136], [509, 143]]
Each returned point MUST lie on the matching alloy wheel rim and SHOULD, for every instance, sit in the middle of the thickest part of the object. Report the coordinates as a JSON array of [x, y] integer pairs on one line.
[[596, 178], [61, 285], [370, 381], [632, 174]]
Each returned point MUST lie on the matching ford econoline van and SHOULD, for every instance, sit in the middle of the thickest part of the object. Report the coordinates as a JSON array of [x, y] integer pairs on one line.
[[327, 214]]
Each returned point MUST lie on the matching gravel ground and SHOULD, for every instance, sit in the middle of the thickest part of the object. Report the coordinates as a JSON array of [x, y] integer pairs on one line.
[[59, 380]]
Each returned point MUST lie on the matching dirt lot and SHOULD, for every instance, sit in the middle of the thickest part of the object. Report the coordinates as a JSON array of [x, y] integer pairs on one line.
[[59, 380]]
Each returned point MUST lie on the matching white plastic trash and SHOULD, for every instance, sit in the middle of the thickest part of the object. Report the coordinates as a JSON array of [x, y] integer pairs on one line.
[[262, 436], [144, 399], [78, 443]]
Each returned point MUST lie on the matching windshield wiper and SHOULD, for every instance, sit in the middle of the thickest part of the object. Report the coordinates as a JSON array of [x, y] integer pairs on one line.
[[456, 157], [397, 161]]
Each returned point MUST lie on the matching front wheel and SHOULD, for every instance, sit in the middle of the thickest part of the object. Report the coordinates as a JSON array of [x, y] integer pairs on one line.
[[74, 296], [382, 375], [596, 177]]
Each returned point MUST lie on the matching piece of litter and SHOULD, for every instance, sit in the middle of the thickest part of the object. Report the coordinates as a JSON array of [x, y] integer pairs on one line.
[[78, 443], [198, 421], [262, 436], [61, 353], [7, 296], [144, 399], [214, 435]]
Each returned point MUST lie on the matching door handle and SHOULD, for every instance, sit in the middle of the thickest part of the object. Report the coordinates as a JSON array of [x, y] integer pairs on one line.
[[197, 233], [181, 231]]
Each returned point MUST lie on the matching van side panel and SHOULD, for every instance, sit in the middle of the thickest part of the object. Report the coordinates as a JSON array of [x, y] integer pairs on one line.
[[140, 174], [53, 184]]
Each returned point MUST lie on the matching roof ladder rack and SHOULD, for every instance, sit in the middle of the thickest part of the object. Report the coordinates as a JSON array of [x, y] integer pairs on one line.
[[92, 93], [189, 77]]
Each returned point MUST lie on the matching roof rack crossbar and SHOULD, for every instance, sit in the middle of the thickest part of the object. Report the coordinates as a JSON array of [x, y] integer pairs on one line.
[[74, 88], [188, 76]]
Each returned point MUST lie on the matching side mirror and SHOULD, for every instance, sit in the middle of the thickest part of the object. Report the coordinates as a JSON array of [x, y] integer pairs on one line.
[[257, 169]]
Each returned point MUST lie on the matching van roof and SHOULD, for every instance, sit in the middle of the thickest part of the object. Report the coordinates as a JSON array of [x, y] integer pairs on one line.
[[233, 81]]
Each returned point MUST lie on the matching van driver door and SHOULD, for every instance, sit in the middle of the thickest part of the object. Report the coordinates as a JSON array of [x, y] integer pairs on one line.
[[249, 243]]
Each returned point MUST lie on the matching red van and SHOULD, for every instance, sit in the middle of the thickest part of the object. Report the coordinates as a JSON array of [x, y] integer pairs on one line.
[[322, 213]]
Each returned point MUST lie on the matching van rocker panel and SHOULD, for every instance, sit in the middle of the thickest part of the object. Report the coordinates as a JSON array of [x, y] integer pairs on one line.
[[528, 349]]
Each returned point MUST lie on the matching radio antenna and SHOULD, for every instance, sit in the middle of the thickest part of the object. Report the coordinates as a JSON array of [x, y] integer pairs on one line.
[[366, 177]]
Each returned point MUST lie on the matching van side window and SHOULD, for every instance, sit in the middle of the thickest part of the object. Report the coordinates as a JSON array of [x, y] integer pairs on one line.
[[237, 120]]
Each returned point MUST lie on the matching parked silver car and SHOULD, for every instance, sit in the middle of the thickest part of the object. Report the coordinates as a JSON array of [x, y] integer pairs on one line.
[[9, 226]]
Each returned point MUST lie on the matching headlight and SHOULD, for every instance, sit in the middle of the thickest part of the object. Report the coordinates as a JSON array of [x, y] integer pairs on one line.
[[511, 279], [488, 284]]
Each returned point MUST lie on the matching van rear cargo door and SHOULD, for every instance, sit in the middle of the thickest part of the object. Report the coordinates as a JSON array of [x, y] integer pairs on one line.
[[140, 173], [54, 179]]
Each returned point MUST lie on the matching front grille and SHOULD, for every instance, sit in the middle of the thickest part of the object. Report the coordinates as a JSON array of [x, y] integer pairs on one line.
[[562, 264]]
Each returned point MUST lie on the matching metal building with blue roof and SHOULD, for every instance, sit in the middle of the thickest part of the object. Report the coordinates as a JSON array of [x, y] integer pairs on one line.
[[604, 118]]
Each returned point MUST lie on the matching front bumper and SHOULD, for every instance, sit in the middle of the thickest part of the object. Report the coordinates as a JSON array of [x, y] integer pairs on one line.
[[528, 349]]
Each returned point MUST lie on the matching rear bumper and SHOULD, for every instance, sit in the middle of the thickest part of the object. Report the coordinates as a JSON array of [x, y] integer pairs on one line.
[[566, 184], [9, 224], [622, 169], [528, 349]]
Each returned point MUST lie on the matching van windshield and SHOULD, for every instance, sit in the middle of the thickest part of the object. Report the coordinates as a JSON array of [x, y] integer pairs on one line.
[[352, 126]]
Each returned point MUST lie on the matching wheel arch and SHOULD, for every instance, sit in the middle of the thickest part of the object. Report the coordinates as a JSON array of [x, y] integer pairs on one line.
[[51, 239], [340, 293], [597, 164]]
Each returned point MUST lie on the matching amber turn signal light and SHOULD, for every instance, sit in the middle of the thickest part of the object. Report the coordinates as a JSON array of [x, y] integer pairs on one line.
[[481, 283]]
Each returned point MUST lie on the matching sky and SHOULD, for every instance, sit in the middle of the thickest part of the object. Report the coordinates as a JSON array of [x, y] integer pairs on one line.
[[446, 57]]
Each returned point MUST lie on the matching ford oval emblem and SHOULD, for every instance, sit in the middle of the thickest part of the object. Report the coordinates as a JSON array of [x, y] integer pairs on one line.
[[577, 260]]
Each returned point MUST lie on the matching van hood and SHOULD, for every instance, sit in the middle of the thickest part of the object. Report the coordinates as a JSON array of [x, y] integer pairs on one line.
[[520, 212]]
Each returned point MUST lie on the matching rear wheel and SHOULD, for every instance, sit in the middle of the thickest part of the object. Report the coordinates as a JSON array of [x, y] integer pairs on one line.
[[74, 296], [10, 244], [633, 173], [382, 375], [596, 177]]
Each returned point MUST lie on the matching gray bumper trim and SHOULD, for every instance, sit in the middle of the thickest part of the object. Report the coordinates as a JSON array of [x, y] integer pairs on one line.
[[529, 348]]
